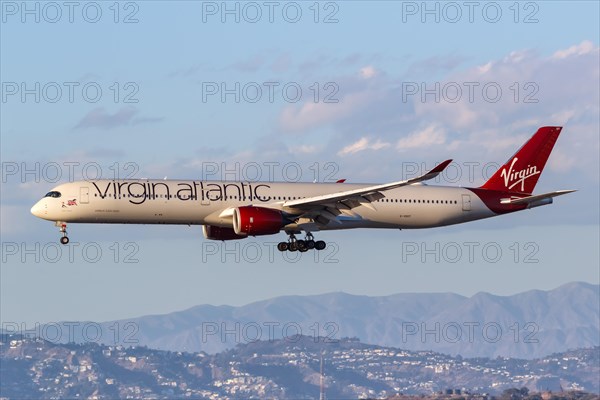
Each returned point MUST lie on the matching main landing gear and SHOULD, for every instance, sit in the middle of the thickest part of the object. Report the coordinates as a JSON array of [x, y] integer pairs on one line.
[[300, 245], [63, 229]]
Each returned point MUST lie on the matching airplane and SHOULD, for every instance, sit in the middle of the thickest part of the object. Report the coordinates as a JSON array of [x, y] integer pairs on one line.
[[236, 210]]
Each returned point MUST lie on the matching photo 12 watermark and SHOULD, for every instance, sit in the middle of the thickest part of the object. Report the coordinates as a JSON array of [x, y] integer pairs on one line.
[[270, 12], [66, 171], [254, 252], [118, 332], [72, 253], [469, 332], [470, 91], [465, 172], [69, 92], [270, 171], [269, 92], [475, 252], [248, 332], [471, 12], [70, 12]]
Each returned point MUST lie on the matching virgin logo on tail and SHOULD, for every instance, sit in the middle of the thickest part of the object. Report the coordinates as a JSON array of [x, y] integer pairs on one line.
[[522, 171], [515, 177]]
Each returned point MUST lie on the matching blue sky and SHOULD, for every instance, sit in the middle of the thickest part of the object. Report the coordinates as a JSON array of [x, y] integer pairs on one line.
[[157, 114]]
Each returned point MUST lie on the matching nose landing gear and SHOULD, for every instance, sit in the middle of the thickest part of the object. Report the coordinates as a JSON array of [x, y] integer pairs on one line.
[[63, 229], [300, 245]]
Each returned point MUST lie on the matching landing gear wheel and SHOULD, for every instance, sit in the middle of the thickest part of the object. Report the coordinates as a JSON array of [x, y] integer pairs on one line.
[[64, 240], [320, 245], [301, 245], [310, 244], [293, 246], [282, 246]]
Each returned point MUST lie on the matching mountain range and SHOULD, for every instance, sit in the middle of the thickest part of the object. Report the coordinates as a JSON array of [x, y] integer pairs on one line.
[[527, 325]]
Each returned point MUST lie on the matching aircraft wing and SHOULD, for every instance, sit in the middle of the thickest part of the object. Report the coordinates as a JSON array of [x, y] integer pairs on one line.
[[327, 207]]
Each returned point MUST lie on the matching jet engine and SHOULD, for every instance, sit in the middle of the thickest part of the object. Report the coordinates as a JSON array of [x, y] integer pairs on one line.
[[255, 221], [219, 233]]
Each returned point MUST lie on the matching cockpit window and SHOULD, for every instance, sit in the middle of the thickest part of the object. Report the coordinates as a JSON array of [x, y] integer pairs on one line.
[[53, 194]]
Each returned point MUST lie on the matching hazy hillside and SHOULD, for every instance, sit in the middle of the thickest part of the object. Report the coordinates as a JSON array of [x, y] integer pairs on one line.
[[283, 369]]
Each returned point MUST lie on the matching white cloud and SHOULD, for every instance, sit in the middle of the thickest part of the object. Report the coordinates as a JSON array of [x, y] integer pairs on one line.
[[499, 143], [361, 145], [560, 161], [481, 130], [355, 147], [515, 57], [484, 68], [585, 47], [306, 149], [563, 116], [309, 115], [430, 136], [378, 145], [368, 72]]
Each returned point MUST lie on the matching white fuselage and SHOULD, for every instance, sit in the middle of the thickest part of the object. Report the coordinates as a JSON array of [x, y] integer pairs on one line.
[[202, 202]]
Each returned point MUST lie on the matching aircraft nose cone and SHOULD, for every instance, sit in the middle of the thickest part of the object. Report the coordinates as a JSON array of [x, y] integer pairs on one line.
[[38, 209]]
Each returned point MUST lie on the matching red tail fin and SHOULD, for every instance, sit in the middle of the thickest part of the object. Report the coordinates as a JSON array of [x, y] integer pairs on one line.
[[522, 171]]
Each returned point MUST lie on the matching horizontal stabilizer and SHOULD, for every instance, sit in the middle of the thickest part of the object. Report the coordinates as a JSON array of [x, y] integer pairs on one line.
[[537, 200]]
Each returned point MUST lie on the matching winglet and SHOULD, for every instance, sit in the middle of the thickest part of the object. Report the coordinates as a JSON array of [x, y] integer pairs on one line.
[[340, 181], [436, 171]]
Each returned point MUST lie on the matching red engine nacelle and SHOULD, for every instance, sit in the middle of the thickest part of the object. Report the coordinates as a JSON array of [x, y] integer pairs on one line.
[[255, 221], [218, 233]]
